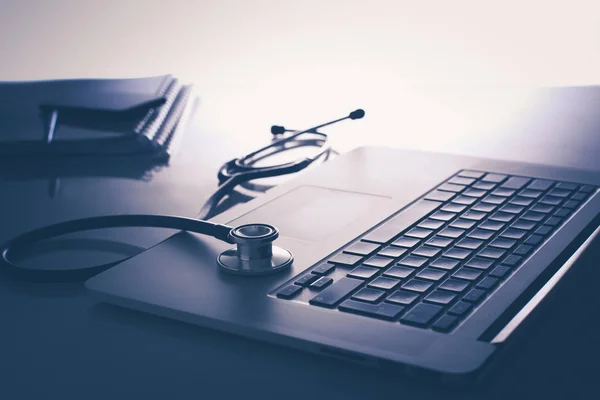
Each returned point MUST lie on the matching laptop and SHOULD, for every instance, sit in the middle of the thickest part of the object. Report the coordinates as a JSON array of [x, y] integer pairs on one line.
[[430, 269]]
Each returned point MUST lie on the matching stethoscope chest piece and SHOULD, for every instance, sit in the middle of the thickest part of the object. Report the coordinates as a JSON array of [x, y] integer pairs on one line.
[[255, 253]]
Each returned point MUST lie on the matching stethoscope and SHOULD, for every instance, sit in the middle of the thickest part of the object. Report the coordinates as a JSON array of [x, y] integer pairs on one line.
[[254, 253]]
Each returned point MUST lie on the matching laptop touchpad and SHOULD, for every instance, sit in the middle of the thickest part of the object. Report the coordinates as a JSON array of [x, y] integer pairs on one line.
[[312, 213]]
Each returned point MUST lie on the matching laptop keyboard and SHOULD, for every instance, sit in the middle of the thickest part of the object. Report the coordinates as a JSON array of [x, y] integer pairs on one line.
[[430, 265]]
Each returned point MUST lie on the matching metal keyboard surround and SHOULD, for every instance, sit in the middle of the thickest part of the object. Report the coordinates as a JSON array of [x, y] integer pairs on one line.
[[433, 263]]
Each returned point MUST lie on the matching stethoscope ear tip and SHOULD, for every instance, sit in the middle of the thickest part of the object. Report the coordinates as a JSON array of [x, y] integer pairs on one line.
[[277, 130], [357, 114]]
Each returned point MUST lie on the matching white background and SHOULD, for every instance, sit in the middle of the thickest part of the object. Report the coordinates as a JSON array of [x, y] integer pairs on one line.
[[255, 63]]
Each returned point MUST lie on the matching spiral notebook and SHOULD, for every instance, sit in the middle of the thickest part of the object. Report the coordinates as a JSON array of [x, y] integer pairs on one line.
[[93, 117]]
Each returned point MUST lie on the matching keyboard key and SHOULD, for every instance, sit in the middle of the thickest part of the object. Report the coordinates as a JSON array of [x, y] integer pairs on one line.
[[553, 221], [451, 232], [562, 212], [571, 204], [321, 283], [512, 208], [512, 260], [454, 285], [503, 192], [491, 253], [540, 184], [383, 311], [438, 195], [412, 261], [483, 207], [587, 188], [474, 193], [481, 234], [471, 244], [459, 254], [345, 259], [363, 272], [369, 295], [453, 208], [439, 241], [362, 248], [543, 230], [467, 201], [542, 208], [336, 292], [502, 216], [521, 201], [515, 182], [503, 243], [289, 291], [479, 263], [461, 181], [523, 250], [500, 272], [392, 251], [534, 240], [579, 196], [532, 194], [306, 280], [567, 186], [495, 178], [462, 223], [419, 233], [431, 274], [474, 215], [449, 187], [426, 251], [442, 216], [402, 297], [461, 308], [384, 283], [474, 296], [444, 263], [406, 242], [440, 297], [491, 225], [523, 224], [511, 233], [408, 217], [484, 185], [494, 199], [378, 262], [487, 283], [431, 224], [568, 207], [422, 314], [559, 193], [533, 216], [471, 174], [467, 274], [444, 324], [551, 200], [323, 269], [399, 272], [417, 285]]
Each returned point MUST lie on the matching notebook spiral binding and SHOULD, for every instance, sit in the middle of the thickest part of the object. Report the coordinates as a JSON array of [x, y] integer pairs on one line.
[[170, 132], [151, 126]]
